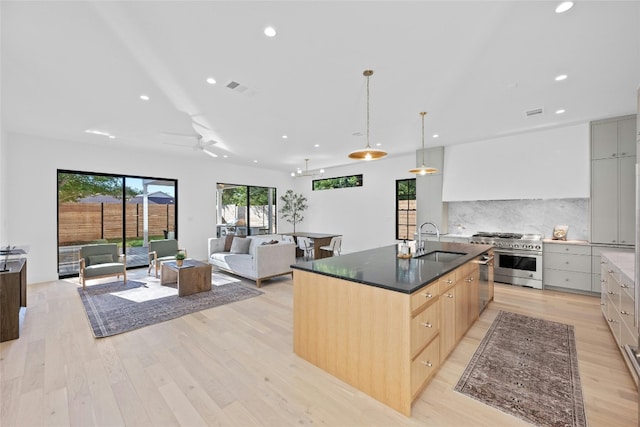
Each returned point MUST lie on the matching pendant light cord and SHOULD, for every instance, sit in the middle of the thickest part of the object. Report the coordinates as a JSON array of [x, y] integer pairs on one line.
[[368, 76]]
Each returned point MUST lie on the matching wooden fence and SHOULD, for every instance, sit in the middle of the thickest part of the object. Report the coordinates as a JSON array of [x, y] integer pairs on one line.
[[86, 222]]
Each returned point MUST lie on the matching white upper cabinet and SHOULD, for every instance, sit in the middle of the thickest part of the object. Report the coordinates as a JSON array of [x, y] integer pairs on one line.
[[547, 164], [612, 138]]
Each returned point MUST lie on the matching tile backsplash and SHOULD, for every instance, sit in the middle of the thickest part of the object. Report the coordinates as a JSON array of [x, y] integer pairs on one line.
[[521, 216]]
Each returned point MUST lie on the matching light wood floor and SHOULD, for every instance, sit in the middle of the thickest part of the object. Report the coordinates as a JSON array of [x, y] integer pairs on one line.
[[234, 366]]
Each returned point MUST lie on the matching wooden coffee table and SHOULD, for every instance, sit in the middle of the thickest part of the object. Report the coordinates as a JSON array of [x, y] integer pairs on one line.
[[193, 277]]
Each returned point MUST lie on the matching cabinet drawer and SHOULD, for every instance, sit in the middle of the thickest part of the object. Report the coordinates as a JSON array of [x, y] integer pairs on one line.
[[424, 326], [569, 262], [424, 366], [626, 309], [424, 296], [567, 279], [567, 248], [448, 280], [627, 336]]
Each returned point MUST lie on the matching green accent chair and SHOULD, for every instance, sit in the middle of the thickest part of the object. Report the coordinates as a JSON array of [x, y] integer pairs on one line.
[[161, 251], [101, 260]]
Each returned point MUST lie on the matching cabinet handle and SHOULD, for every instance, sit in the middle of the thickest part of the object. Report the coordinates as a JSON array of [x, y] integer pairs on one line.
[[427, 325], [602, 262], [428, 295], [610, 292], [624, 286], [449, 296], [603, 303], [623, 154], [613, 154], [611, 321], [624, 312], [427, 363], [566, 280], [449, 281], [609, 271], [566, 262]]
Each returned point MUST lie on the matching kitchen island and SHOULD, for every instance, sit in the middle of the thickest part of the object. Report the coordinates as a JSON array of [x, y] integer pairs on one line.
[[382, 323]]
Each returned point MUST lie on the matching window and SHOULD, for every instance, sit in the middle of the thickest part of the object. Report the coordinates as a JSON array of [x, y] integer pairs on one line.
[[405, 208], [340, 182], [125, 210], [246, 210]]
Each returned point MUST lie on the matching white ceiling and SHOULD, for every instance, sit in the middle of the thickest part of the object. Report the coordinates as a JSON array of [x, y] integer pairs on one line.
[[474, 66]]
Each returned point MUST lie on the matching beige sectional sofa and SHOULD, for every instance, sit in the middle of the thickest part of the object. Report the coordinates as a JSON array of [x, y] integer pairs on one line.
[[254, 257]]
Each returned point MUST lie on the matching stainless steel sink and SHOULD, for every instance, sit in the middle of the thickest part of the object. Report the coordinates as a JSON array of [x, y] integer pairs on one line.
[[441, 256]]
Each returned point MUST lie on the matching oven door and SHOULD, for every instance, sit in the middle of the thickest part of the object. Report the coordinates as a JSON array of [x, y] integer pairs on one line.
[[518, 268]]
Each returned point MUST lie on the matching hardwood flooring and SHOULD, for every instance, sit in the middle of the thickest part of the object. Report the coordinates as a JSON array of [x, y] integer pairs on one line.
[[234, 366]]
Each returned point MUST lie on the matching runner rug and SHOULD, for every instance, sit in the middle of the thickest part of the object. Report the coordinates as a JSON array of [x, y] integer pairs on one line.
[[114, 308], [527, 367]]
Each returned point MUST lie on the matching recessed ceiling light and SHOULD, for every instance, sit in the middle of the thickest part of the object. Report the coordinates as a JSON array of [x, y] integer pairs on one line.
[[144, 97], [255, 161], [561, 77], [112, 137], [317, 145], [435, 135], [293, 174], [211, 80], [284, 137], [560, 111], [270, 32], [378, 144], [564, 6], [225, 156]]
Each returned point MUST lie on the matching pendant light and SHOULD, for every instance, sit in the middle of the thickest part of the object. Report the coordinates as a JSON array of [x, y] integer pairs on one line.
[[367, 153], [423, 170]]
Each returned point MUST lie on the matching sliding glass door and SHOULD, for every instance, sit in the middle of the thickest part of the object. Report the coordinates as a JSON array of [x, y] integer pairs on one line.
[[103, 208], [246, 210]]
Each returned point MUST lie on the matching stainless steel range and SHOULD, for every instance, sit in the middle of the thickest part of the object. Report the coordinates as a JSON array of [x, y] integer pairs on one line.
[[518, 257]]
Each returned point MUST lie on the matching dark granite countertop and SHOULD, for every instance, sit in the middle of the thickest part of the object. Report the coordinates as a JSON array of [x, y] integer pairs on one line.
[[382, 268]]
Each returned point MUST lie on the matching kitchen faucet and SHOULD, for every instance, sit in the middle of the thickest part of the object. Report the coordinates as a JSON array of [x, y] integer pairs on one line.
[[420, 247]]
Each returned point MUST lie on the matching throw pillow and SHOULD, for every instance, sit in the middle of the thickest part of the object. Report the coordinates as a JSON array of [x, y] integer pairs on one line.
[[240, 245], [227, 242], [100, 259]]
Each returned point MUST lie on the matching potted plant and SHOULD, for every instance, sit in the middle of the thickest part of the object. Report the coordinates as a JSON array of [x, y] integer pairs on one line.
[[180, 256], [292, 207]]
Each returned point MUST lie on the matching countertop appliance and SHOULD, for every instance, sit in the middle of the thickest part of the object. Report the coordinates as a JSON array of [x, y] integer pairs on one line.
[[518, 257]]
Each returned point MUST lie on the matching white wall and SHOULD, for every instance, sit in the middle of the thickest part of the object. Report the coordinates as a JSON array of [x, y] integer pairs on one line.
[[548, 164], [30, 204], [3, 187], [365, 216]]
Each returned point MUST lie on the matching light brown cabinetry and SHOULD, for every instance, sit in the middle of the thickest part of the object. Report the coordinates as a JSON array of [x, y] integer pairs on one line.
[[467, 297], [387, 344], [448, 301]]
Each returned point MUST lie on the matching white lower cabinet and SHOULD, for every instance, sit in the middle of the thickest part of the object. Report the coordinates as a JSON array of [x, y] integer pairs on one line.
[[618, 298], [567, 266]]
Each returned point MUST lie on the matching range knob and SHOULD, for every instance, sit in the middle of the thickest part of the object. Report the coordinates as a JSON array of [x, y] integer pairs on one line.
[[516, 246], [538, 247]]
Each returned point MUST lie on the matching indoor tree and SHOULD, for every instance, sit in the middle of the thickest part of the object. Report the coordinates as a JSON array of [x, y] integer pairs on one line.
[[293, 205]]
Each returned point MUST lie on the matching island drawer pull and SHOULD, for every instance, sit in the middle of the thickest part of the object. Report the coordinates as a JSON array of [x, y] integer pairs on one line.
[[449, 281], [428, 295], [624, 286], [427, 363], [624, 312], [428, 325], [449, 296]]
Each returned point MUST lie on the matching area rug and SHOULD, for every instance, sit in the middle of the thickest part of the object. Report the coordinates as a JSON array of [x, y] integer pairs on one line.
[[114, 308], [527, 367]]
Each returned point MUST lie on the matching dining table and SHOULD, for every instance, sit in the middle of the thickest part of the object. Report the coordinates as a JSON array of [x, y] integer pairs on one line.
[[318, 239]]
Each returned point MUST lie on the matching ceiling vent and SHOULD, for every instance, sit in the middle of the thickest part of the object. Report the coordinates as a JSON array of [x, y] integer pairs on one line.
[[534, 112], [237, 87]]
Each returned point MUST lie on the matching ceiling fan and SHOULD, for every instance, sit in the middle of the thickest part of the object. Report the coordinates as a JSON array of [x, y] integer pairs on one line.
[[201, 135], [300, 173]]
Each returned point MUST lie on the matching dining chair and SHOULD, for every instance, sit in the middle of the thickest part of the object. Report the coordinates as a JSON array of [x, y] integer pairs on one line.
[[306, 245], [334, 246]]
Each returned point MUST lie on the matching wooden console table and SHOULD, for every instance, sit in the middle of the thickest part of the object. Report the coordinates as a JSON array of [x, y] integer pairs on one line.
[[13, 295]]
